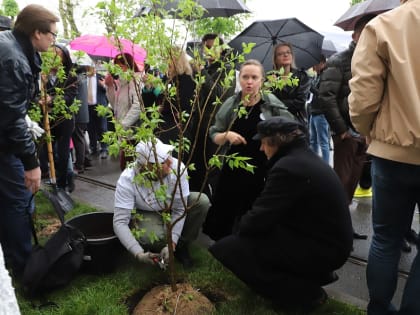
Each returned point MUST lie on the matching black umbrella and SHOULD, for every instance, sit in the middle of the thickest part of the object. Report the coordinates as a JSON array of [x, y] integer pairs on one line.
[[328, 48], [306, 42], [213, 8], [355, 12]]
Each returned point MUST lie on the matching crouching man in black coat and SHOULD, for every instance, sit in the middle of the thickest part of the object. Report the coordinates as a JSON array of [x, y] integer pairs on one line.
[[298, 230]]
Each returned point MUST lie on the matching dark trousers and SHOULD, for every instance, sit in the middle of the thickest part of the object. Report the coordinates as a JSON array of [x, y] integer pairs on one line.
[[62, 135], [15, 229], [349, 157], [276, 282], [80, 145], [396, 191], [96, 127]]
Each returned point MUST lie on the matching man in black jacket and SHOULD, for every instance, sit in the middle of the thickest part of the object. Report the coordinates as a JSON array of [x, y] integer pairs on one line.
[[212, 89], [298, 230], [20, 176], [349, 145]]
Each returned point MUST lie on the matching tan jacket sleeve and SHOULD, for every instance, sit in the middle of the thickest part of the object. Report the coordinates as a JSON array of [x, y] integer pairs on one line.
[[368, 82]]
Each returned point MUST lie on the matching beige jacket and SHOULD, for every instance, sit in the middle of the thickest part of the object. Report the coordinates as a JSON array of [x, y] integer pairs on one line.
[[385, 88], [125, 102]]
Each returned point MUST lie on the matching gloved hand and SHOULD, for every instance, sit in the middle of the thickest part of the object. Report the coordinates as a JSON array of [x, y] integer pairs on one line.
[[147, 257], [164, 253], [34, 128]]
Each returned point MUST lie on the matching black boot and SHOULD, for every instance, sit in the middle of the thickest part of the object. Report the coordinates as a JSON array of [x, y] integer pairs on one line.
[[182, 254]]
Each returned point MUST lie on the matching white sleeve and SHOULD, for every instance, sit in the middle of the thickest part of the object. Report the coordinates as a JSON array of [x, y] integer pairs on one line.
[[122, 230], [9, 303], [125, 196]]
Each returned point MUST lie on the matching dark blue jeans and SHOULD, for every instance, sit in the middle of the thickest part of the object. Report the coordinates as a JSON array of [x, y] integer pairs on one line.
[[396, 190], [15, 229]]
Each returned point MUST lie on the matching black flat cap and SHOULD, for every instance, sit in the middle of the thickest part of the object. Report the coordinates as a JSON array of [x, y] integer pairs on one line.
[[278, 124], [5, 22]]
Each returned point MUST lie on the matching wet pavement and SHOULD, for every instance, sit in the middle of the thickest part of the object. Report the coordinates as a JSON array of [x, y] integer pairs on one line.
[[351, 286]]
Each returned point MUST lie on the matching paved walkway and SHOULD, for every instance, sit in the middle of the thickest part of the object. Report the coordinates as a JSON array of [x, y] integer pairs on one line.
[[351, 286]]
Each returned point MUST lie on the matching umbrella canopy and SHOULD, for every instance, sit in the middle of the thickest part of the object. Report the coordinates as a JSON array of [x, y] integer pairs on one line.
[[100, 45], [355, 12], [328, 48], [213, 8], [306, 42]]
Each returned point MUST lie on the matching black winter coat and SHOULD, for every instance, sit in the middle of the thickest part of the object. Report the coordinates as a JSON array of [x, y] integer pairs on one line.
[[334, 90], [295, 97], [19, 72], [300, 223]]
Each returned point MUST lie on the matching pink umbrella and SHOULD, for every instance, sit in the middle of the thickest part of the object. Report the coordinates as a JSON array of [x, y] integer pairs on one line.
[[100, 45]]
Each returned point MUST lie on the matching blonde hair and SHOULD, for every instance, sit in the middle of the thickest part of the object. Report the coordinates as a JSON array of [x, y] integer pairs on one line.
[[283, 44], [253, 62], [179, 60]]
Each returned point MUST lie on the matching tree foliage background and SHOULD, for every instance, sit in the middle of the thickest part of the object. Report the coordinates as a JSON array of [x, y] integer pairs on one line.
[[9, 8]]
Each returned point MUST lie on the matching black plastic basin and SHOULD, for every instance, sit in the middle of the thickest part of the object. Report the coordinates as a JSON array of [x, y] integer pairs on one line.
[[103, 246]]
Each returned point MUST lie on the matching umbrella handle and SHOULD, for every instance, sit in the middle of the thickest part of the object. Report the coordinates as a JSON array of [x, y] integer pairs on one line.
[[49, 144]]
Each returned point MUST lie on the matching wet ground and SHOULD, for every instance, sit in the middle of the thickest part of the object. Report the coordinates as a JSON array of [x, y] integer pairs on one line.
[[351, 286]]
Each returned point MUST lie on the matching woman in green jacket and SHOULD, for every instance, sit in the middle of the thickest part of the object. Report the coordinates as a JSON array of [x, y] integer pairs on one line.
[[234, 127]]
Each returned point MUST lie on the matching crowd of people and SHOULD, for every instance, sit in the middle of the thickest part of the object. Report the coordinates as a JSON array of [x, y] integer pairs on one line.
[[282, 225]]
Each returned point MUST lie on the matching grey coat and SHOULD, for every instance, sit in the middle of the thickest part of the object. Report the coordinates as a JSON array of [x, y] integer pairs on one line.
[[82, 116]]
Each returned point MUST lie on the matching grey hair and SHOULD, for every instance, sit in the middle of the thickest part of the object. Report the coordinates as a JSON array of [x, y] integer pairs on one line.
[[281, 139]]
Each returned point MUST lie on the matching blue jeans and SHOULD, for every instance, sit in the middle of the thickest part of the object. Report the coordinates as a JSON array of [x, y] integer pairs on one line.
[[15, 229], [319, 136], [396, 190]]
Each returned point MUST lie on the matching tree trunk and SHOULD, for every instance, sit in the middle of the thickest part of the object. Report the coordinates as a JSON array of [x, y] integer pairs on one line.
[[63, 15], [70, 18]]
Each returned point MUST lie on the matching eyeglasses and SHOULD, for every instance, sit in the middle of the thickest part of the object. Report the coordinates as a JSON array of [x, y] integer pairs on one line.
[[284, 53], [53, 34]]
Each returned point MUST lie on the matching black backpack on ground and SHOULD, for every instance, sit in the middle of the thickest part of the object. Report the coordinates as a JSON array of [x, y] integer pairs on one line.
[[56, 263]]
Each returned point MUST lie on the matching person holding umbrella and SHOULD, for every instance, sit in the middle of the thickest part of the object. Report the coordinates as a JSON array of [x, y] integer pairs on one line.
[[123, 97], [295, 96], [236, 189], [349, 145]]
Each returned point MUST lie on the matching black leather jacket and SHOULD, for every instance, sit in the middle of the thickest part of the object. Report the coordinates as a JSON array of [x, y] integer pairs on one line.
[[19, 71], [294, 97], [334, 90]]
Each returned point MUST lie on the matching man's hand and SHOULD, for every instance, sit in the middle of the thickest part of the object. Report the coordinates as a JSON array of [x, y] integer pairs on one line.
[[147, 257], [33, 179], [345, 135], [34, 128]]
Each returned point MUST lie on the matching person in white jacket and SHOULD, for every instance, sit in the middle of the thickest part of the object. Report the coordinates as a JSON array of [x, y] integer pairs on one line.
[[145, 198]]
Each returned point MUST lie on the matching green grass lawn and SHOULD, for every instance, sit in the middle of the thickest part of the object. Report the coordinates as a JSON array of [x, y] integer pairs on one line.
[[117, 292]]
